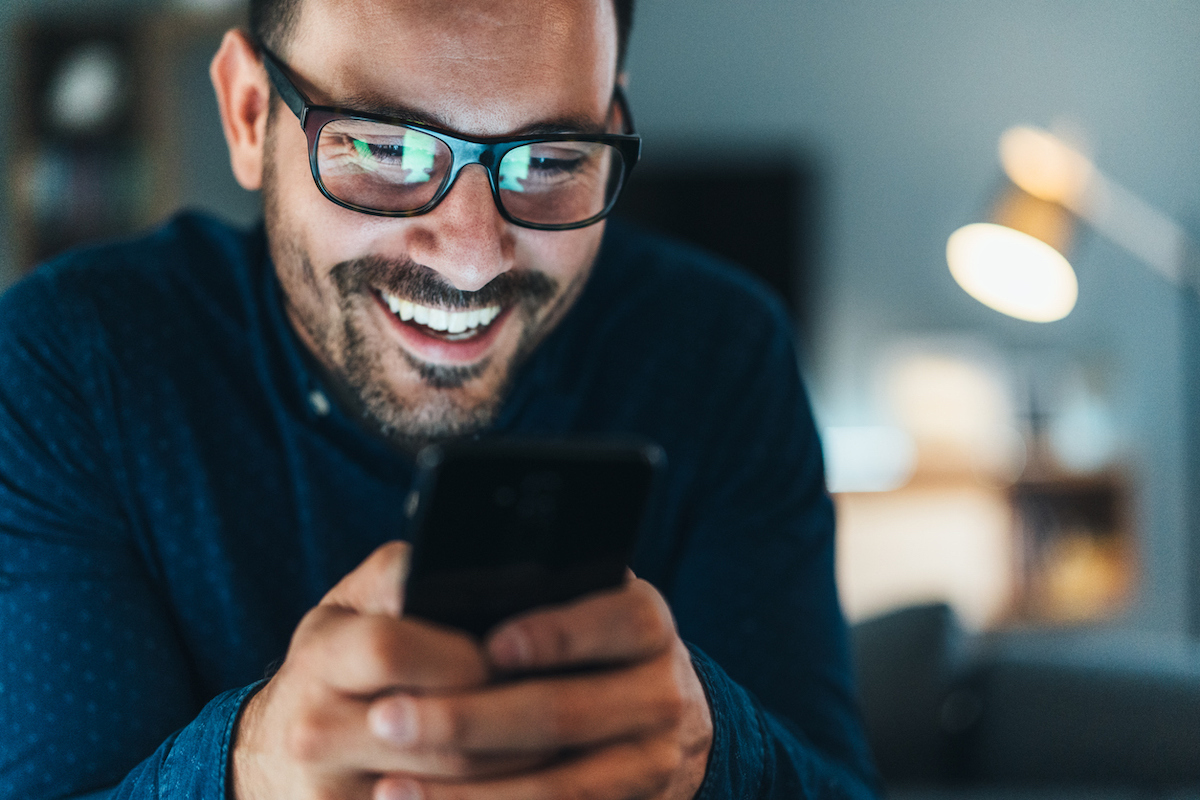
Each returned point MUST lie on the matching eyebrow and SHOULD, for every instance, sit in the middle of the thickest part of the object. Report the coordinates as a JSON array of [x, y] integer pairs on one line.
[[371, 104]]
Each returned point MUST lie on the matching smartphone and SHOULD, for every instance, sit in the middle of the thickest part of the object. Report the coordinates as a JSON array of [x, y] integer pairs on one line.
[[504, 526]]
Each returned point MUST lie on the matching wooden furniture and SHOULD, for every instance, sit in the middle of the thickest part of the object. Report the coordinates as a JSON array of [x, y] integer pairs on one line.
[[105, 118]]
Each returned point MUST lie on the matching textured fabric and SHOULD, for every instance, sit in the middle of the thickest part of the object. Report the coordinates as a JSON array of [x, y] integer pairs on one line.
[[174, 496]]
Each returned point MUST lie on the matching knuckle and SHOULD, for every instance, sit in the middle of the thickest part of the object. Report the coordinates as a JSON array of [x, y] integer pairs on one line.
[[550, 641], [307, 739], [312, 626], [561, 642], [646, 624], [664, 760], [443, 723], [457, 765], [299, 661], [378, 647], [649, 623], [580, 791], [671, 704], [559, 717]]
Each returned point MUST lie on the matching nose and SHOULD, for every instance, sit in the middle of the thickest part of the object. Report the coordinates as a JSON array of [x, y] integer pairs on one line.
[[464, 238]]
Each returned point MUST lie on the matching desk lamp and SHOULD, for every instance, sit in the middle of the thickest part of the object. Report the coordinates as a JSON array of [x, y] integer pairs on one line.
[[1016, 262]]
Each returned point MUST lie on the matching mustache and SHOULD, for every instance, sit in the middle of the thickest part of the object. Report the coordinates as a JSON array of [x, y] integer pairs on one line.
[[412, 281]]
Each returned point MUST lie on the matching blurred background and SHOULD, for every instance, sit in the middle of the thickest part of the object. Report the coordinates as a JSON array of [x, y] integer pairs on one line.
[[1018, 539]]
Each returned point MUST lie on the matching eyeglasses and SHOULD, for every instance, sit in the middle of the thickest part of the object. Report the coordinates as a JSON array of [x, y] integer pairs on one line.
[[392, 168]]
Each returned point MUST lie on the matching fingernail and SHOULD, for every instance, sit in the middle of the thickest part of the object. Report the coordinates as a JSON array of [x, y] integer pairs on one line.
[[399, 790], [394, 719], [511, 648]]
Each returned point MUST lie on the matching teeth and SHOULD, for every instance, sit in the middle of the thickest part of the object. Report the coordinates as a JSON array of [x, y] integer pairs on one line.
[[439, 318]]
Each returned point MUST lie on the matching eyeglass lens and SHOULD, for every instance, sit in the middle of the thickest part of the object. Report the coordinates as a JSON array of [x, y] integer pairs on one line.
[[391, 168]]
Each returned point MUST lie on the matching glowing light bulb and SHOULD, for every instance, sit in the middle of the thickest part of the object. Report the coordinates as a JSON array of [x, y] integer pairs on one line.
[[1012, 272]]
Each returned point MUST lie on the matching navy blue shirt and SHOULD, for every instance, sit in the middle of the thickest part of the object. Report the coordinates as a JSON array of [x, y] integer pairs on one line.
[[173, 498]]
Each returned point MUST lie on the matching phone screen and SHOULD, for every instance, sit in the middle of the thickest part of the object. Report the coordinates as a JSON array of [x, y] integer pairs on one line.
[[505, 526]]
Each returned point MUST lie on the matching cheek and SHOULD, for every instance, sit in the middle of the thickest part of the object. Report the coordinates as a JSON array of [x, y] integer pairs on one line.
[[311, 223], [562, 255]]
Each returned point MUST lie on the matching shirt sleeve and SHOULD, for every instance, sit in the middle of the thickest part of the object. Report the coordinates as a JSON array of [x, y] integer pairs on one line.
[[753, 589], [96, 690]]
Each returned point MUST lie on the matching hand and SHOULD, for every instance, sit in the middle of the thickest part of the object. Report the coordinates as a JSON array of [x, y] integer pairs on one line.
[[636, 725], [305, 734]]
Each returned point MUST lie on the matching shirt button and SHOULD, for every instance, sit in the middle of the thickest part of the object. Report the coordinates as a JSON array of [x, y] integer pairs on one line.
[[319, 402]]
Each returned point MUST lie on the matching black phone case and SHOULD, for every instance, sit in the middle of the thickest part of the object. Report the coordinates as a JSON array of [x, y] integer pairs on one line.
[[506, 526]]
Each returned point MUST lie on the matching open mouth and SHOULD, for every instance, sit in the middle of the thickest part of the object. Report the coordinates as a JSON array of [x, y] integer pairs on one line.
[[440, 323]]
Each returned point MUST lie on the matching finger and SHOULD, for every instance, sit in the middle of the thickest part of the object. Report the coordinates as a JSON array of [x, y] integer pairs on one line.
[[622, 770], [365, 654], [338, 733], [627, 624], [373, 587], [537, 715]]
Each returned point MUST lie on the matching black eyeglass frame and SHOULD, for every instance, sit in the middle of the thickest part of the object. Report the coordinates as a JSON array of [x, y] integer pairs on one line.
[[487, 152]]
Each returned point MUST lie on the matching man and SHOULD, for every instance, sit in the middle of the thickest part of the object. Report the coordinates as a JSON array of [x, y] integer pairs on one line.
[[204, 431]]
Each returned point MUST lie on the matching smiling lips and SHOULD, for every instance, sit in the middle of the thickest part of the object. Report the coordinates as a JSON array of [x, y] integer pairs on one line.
[[447, 325], [442, 335]]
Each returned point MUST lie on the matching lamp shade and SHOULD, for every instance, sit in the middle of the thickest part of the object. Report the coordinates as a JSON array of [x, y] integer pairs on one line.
[[1013, 272], [1015, 263]]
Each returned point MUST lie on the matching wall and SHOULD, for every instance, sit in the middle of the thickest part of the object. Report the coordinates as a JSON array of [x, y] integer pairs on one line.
[[903, 104]]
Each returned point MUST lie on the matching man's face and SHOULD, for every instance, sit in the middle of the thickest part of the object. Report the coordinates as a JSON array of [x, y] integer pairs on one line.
[[479, 68]]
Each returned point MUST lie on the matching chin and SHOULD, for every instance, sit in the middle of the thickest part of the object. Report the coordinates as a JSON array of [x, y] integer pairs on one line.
[[413, 403]]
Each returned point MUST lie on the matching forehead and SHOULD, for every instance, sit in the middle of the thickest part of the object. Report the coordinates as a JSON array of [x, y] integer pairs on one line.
[[484, 67]]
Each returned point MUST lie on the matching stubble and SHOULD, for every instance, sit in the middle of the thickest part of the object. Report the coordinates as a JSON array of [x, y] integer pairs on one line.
[[448, 401]]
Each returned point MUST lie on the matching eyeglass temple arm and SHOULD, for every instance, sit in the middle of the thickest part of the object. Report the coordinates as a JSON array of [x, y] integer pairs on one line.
[[292, 97], [623, 104]]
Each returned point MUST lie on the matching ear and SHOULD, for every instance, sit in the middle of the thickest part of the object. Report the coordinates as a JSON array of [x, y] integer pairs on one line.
[[244, 96]]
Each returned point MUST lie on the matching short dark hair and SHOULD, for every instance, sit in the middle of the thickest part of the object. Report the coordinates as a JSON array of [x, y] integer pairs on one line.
[[271, 22]]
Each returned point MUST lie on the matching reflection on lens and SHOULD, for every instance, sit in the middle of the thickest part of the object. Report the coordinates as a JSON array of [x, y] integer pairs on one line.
[[391, 168], [380, 166], [514, 169], [559, 183], [416, 162]]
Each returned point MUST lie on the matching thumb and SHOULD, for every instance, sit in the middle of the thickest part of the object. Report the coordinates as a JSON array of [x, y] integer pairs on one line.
[[374, 586]]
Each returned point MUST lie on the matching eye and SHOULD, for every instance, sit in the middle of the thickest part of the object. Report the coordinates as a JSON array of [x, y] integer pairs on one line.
[[399, 160], [379, 152], [556, 165], [565, 157], [548, 165]]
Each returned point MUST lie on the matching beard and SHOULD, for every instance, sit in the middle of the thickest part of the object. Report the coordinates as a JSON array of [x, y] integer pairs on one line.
[[440, 401], [447, 409]]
